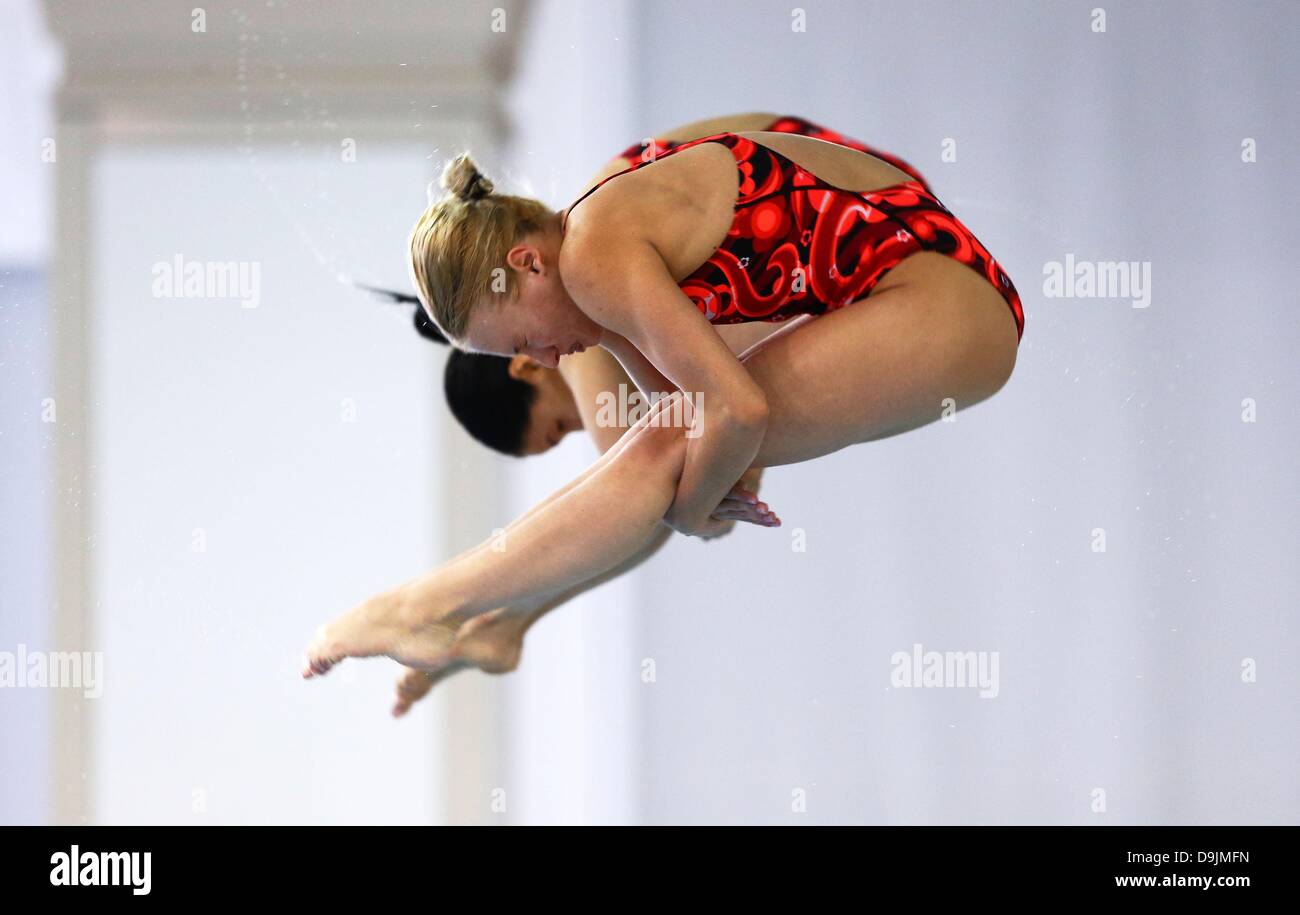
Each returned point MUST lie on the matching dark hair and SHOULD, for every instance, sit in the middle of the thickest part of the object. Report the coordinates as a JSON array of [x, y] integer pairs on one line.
[[426, 328], [492, 406], [486, 401]]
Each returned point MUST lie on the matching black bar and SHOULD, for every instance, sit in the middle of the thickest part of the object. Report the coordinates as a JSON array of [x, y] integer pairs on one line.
[[315, 865]]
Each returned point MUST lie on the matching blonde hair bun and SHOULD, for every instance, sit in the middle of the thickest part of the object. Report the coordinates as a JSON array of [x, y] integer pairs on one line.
[[458, 245], [463, 179]]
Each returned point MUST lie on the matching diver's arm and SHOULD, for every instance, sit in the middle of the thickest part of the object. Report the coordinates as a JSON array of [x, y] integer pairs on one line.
[[600, 384], [641, 304]]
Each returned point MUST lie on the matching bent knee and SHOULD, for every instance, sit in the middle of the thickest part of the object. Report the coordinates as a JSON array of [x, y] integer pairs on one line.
[[980, 338], [999, 346], [660, 440]]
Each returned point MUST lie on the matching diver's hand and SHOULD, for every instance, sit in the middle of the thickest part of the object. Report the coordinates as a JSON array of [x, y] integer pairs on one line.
[[742, 502]]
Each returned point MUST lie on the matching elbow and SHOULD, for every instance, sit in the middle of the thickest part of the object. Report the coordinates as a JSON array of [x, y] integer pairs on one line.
[[736, 417], [749, 413]]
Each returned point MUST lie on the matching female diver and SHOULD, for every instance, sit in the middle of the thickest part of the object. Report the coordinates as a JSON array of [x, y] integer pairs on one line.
[[520, 407], [732, 227]]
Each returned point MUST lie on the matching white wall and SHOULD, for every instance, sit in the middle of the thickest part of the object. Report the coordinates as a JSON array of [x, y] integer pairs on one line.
[[231, 420], [1120, 671], [226, 141], [24, 529], [28, 64], [571, 742]]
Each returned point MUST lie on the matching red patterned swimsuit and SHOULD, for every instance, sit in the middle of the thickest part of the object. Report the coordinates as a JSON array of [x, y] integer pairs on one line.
[[799, 245], [638, 153]]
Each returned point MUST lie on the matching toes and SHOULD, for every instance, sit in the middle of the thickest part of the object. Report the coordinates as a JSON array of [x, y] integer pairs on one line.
[[319, 662], [412, 686]]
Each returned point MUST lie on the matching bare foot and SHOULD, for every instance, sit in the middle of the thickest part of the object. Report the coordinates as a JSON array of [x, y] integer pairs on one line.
[[382, 625], [491, 643]]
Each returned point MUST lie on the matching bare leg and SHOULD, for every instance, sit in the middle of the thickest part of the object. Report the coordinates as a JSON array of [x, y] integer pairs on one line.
[[621, 500], [494, 641], [490, 642], [933, 330]]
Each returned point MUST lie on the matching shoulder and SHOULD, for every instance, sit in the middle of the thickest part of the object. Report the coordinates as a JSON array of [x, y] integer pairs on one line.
[[644, 196], [615, 186], [599, 254], [611, 275], [609, 225], [595, 232]]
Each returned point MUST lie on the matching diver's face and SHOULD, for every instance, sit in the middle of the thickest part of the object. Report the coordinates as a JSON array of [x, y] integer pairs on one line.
[[553, 414], [541, 320]]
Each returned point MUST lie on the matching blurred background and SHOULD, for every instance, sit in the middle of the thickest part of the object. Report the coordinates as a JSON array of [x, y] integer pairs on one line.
[[191, 485]]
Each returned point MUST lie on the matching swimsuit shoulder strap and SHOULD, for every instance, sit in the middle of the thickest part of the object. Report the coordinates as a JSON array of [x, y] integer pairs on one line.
[[727, 139]]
